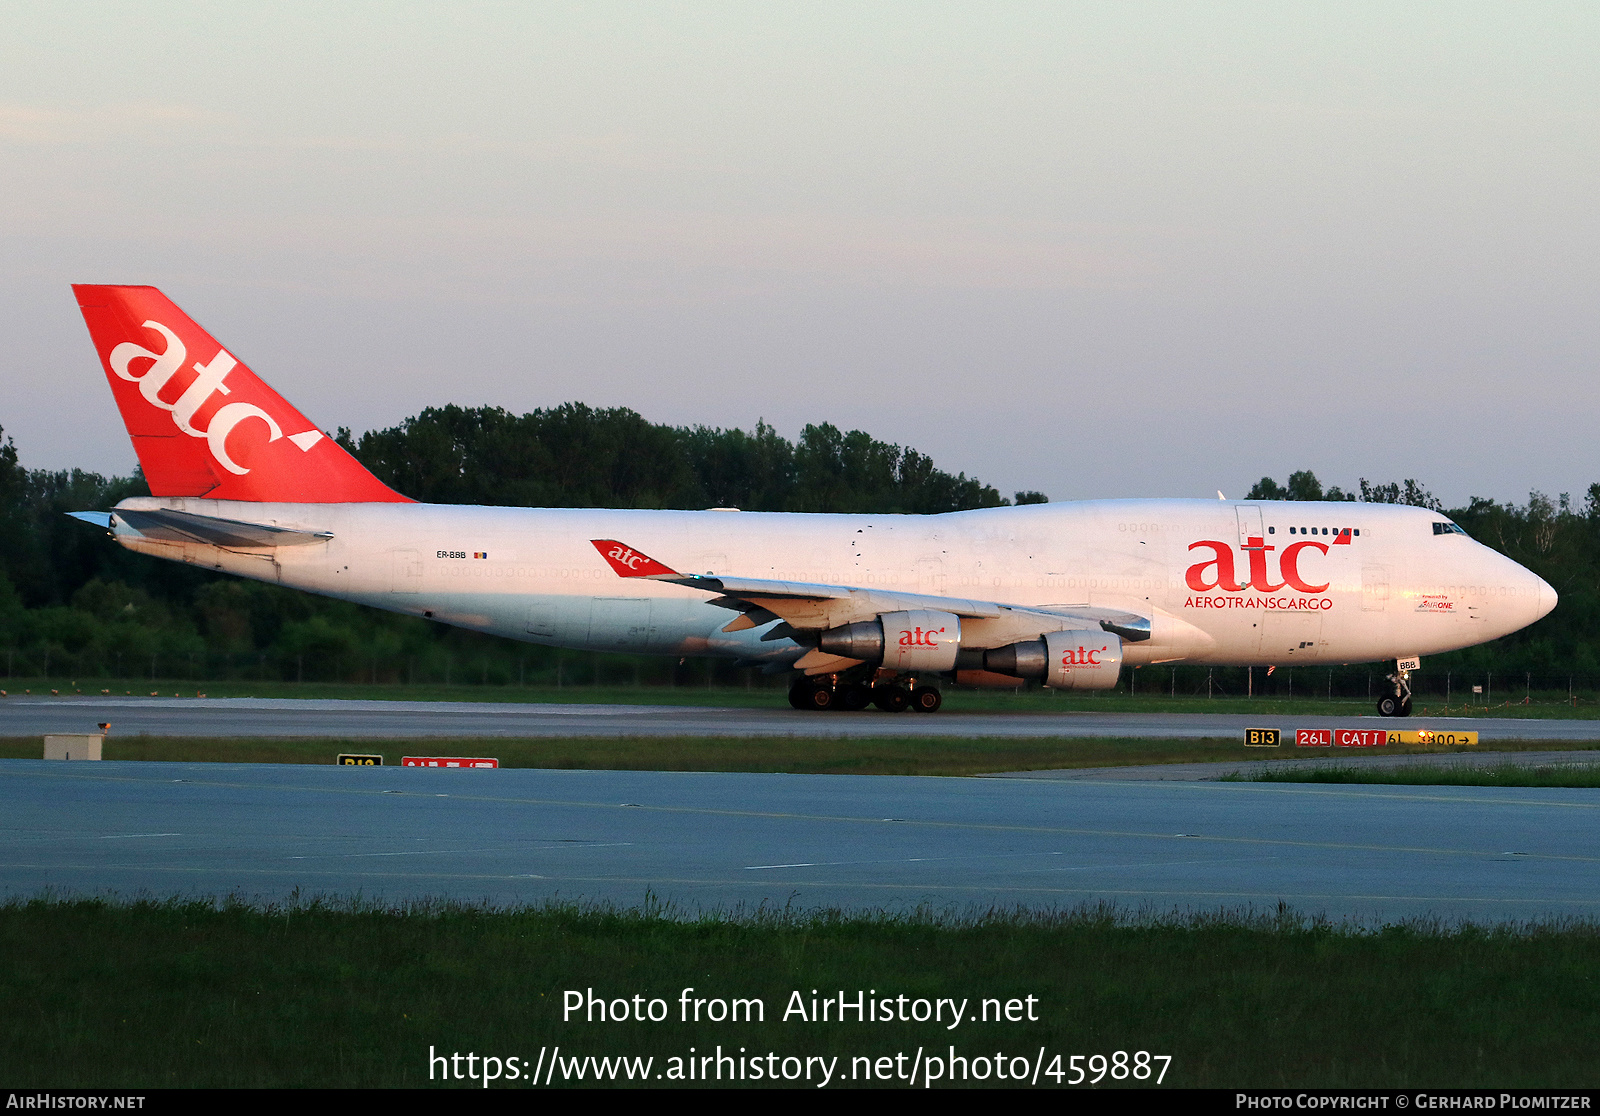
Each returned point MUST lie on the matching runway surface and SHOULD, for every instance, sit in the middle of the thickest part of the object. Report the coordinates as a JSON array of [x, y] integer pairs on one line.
[[33, 716], [263, 831]]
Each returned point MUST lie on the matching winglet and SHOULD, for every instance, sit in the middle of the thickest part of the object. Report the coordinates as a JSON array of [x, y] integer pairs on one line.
[[628, 562]]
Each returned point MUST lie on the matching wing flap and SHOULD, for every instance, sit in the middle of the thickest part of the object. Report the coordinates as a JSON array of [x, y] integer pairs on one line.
[[816, 661]]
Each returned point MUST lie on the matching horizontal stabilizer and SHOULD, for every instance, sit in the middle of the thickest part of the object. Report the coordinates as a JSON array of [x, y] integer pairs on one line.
[[186, 527]]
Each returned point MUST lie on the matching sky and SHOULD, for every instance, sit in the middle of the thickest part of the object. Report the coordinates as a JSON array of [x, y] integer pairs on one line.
[[1098, 250]]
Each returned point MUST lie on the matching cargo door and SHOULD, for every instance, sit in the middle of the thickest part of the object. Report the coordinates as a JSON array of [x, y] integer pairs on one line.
[[560, 620], [1289, 634], [619, 623], [544, 617]]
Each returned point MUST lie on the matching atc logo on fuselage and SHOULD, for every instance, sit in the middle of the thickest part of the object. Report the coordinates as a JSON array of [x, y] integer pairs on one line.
[[1265, 586]]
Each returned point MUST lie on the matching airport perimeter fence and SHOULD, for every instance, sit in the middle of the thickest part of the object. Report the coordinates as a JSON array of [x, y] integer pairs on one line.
[[1442, 688], [533, 667], [518, 666]]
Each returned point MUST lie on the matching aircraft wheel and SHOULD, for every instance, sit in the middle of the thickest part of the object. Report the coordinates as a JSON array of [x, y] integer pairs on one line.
[[1389, 706], [926, 699], [1405, 708], [821, 698], [808, 695], [854, 698], [891, 699]]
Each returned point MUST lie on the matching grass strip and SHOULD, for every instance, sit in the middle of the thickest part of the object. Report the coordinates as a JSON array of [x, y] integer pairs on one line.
[[1575, 775], [799, 755], [105, 994]]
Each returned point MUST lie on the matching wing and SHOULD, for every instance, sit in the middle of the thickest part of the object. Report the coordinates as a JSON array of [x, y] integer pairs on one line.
[[807, 609]]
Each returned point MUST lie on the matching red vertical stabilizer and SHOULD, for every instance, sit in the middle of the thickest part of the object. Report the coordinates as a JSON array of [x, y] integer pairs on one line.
[[202, 423]]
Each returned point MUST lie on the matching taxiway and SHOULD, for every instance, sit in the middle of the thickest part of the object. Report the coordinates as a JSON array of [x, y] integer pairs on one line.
[[264, 832]]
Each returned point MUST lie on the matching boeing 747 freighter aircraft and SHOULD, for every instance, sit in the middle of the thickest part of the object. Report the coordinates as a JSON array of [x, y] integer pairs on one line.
[[863, 608]]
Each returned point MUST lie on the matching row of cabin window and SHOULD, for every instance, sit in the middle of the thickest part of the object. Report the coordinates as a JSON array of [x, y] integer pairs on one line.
[[1316, 530]]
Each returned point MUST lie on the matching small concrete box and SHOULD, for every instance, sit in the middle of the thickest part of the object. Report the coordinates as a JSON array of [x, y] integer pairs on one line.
[[78, 746]]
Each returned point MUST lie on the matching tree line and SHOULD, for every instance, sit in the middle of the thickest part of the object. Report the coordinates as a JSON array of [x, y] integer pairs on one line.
[[576, 456]]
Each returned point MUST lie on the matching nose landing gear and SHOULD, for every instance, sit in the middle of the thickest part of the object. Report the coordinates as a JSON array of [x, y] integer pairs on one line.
[[1397, 703]]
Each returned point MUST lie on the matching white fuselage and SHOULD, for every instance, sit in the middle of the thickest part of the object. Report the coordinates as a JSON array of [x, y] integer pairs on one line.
[[1396, 588]]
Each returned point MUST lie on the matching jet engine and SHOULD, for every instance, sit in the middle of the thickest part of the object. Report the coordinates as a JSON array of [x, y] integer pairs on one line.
[[916, 640], [1072, 660]]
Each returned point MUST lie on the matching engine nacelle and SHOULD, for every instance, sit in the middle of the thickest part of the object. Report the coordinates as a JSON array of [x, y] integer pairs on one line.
[[1074, 660], [920, 639]]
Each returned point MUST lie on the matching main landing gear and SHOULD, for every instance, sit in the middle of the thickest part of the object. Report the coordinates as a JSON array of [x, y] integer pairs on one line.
[[1397, 703], [891, 697]]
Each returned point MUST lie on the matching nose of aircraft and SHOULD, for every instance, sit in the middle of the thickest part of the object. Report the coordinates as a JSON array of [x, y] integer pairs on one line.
[[1545, 597]]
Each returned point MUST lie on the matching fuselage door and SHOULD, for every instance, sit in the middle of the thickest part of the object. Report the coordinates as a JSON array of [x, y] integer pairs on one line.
[[1374, 588], [406, 571], [1249, 525]]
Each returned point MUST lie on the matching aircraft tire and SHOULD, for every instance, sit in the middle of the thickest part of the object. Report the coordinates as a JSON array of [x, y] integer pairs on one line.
[[1389, 706], [1405, 708], [853, 698], [891, 699], [807, 695], [821, 698], [926, 699]]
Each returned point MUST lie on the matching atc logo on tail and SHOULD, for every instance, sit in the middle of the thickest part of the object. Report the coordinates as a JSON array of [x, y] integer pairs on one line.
[[210, 427]]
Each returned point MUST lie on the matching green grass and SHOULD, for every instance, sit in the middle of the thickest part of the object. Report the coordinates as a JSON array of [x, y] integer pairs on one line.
[[771, 696], [844, 756], [1500, 775], [150, 994]]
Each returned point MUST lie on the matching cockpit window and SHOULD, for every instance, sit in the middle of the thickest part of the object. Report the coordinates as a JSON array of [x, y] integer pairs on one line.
[[1447, 529]]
